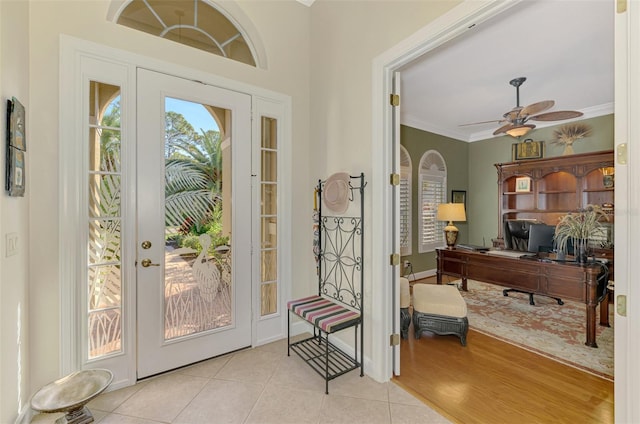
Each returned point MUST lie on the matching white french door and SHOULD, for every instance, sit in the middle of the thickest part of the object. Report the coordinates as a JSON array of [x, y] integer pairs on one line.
[[395, 281], [195, 194]]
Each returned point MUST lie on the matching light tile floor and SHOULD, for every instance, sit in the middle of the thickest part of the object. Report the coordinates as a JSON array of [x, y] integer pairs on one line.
[[261, 385]]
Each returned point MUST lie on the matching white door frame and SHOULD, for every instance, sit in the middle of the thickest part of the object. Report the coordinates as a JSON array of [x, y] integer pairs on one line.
[[72, 52], [454, 23]]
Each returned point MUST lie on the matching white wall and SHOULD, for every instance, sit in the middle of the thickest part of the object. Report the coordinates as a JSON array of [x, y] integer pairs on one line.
[[14, 217], [284, 28]]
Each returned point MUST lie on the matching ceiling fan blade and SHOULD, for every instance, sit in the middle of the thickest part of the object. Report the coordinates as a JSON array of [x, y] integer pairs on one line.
[[538, 107], [503, 129], [557, 116], [483, 122]]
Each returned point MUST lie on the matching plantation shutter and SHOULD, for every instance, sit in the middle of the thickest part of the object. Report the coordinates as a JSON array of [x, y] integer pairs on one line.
[[433, 191], [405, 218], [405, 202]]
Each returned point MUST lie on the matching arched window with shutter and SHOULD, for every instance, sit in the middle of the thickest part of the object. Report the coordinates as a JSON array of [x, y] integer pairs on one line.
[[432, 190], [405, 202]]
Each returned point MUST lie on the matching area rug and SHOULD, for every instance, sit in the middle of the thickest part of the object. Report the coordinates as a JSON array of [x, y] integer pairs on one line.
[[555, 331]]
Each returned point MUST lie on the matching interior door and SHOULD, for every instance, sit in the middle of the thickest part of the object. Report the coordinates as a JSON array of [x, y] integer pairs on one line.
[[193, 220]]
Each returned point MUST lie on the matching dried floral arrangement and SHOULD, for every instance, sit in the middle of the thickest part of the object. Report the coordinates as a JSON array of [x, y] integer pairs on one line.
[[567, 134]]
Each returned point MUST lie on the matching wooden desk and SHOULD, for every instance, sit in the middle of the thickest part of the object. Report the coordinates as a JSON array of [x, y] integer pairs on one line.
[[556, 279]]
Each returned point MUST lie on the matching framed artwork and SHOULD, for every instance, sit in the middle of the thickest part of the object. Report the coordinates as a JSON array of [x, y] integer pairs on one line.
[[459, 196], [523, 184], [16, 148], [528, 149]]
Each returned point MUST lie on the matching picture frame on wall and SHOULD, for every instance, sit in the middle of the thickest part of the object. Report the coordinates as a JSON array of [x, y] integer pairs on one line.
[[459, 196], [16, 147], [523, 184], [528, 149]]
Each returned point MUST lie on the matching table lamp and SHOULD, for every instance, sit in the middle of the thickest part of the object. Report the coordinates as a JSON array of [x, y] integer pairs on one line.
[[451, 212]]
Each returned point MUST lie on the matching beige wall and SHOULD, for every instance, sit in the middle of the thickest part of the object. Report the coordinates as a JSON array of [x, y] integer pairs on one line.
[[14, 218], [284, 28]]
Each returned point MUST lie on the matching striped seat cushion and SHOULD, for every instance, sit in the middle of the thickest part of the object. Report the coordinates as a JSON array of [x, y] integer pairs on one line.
[[324, 313]]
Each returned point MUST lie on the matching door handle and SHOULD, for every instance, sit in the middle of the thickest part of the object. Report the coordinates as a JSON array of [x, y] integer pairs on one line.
[[147, 263]]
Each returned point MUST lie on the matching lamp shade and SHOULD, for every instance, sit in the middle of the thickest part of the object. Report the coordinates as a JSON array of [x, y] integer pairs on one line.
[[451, 212]]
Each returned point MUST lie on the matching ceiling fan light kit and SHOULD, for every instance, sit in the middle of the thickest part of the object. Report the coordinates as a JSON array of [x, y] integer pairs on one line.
[[515, 121], [520, 130]]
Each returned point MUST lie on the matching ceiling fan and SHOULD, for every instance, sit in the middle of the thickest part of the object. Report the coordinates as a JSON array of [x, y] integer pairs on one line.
[[515, 122]]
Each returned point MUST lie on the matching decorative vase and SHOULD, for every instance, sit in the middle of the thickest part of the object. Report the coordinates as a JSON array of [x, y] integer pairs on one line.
[[581, 250]]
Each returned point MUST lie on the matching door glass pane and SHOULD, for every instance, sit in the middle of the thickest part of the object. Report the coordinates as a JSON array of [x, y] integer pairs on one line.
[[269, 165], [269, 296], [269, 271], [106, 156], [104, 195], [104, 241], [269, 195], [198, 281], [269, 218], [269, 231], [104, 276]]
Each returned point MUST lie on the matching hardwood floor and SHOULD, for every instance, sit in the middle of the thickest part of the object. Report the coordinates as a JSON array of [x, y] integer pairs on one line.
[[490, 381]]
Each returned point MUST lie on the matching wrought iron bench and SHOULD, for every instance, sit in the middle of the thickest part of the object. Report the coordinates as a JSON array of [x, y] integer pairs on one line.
[[339, 302]]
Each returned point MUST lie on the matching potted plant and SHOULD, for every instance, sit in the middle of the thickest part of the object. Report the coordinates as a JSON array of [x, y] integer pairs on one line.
[[579, 226]]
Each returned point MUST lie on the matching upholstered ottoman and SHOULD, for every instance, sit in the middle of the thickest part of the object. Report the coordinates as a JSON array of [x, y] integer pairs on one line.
[[405, 302], [439, 309]]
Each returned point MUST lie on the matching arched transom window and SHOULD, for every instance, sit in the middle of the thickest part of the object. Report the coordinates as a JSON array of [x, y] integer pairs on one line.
[[195, 23]]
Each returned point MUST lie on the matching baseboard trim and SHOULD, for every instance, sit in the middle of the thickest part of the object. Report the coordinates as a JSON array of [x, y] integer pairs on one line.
[[420, 275]]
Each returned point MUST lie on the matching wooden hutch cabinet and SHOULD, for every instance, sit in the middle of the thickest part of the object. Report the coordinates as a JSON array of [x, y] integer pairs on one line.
[[557, 185]]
